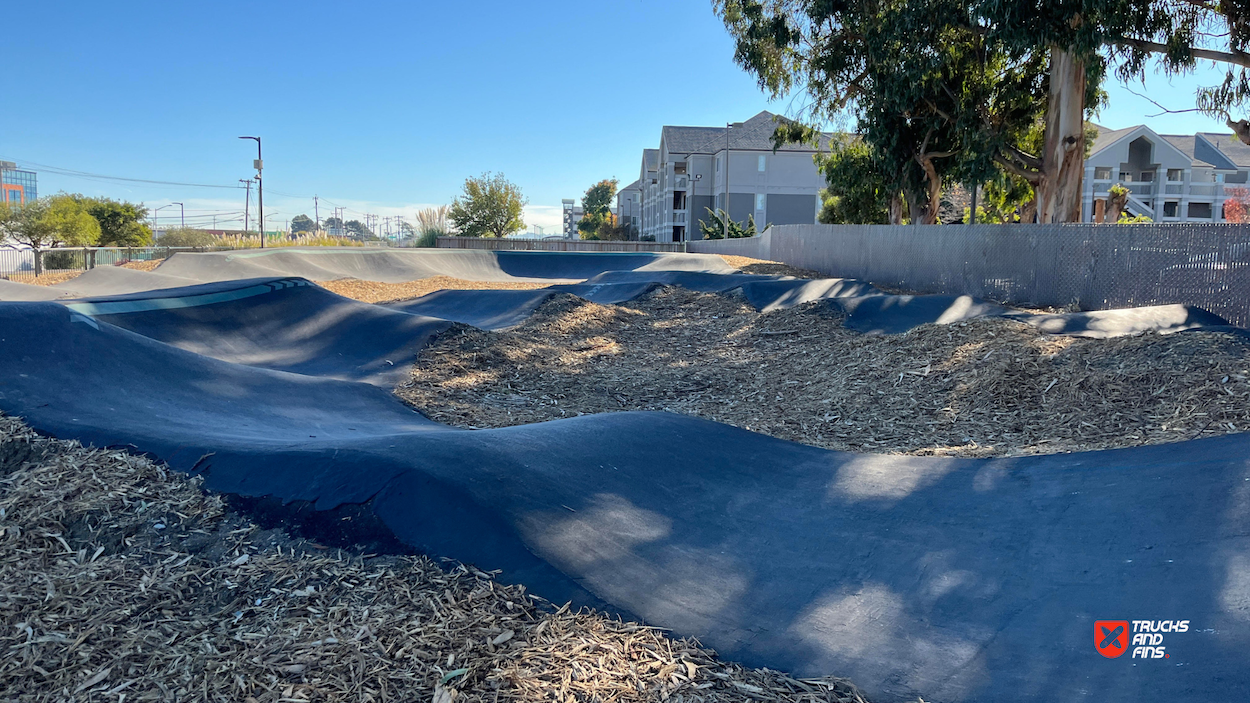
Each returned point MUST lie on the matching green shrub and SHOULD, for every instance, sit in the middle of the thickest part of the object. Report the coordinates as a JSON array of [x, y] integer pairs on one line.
[[58, 260], [428, 238], [186, 237]]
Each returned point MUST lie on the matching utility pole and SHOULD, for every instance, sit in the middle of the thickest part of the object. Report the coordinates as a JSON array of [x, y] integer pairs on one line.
[[317, 213], [727, 126], [260, 189], [246, 202]]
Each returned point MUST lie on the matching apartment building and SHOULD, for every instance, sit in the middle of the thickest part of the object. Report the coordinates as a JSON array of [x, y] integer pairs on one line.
[[1170, 177], [629, 207], [572, 214], [734, 167]]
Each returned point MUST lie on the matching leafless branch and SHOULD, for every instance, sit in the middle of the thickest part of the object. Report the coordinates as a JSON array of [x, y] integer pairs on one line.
[[1165, 110]]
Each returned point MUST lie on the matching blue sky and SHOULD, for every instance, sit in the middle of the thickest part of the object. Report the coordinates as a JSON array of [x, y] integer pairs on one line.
[[379, 107]]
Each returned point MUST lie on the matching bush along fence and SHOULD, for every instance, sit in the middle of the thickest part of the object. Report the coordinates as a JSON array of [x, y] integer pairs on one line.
[[20, 263], [553, 244], [1090, 267]]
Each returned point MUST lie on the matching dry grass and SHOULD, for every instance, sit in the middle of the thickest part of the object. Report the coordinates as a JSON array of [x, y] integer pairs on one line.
[[987, 387], [122, 581], [374, 292]]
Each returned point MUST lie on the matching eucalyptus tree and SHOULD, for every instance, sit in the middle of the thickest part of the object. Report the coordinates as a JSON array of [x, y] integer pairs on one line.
[[936, 98]]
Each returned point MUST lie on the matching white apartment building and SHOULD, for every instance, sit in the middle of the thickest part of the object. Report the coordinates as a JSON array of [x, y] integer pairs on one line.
[[1170, 177], [700, 168], [571, 215]]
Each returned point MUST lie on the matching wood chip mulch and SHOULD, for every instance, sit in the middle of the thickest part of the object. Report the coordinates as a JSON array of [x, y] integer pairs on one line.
[[47, 278], [762, 267], [986, 387], [374, 292], [121, 580]]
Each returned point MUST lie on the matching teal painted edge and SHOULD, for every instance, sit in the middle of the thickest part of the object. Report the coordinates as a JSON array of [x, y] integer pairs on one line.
[[121, 307]]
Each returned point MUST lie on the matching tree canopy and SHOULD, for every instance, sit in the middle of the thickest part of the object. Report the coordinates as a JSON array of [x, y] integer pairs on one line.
[[358, 229], [122, 224], [490, 206], [858, 190], [944, 91], [597, 221], [303, 223]]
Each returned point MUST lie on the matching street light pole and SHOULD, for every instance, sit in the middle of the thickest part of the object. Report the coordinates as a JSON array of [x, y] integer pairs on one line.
[[183, 214], [260, 190], [155, 217]]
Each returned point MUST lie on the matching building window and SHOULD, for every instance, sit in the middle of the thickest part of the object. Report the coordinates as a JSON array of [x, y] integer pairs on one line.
[[761, 166], [718, 164], [1169, 208], [1147, 176], [1200, 211], [1102, 173], [1176, 175], [759, 201]]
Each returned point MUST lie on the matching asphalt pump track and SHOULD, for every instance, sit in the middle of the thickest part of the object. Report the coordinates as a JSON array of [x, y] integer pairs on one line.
[[952, 579]]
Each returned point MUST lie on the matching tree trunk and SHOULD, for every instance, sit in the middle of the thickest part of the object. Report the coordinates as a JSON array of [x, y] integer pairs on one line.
[[1116, 201], [933, 191], [1063, 157], [896, 209], [38, 261]]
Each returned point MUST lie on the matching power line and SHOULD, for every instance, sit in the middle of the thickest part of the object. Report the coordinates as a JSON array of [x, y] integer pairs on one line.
[[101, 177]]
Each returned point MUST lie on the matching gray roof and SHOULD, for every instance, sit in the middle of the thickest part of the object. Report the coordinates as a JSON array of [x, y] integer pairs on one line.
[[1229, 146], [1106, 137], [1186, 145], [688, 140], [1204, 149], [755, 134], [636, 185], [651, 159]]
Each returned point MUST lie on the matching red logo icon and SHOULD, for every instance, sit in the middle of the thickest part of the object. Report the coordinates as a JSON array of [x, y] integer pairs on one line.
[[1111, 637]]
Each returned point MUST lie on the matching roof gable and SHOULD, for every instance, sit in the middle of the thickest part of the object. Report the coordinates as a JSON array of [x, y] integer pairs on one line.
[[1114, 137]]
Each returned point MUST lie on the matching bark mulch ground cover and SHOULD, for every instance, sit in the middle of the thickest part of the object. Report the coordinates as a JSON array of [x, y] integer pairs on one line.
[[121, 580], [374, 292], [987, 387]]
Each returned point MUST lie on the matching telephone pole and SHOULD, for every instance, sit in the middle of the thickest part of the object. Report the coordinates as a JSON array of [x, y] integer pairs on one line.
[[260, 189], [317, 213], [247, 183]]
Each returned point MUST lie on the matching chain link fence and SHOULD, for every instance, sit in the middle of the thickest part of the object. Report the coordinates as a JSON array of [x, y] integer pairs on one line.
[[1090, 267]]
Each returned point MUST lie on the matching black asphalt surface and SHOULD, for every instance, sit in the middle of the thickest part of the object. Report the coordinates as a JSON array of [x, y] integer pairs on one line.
[[951, 579]]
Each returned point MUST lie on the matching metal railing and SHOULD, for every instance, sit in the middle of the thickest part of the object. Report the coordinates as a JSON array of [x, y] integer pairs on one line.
[[18, 264]]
